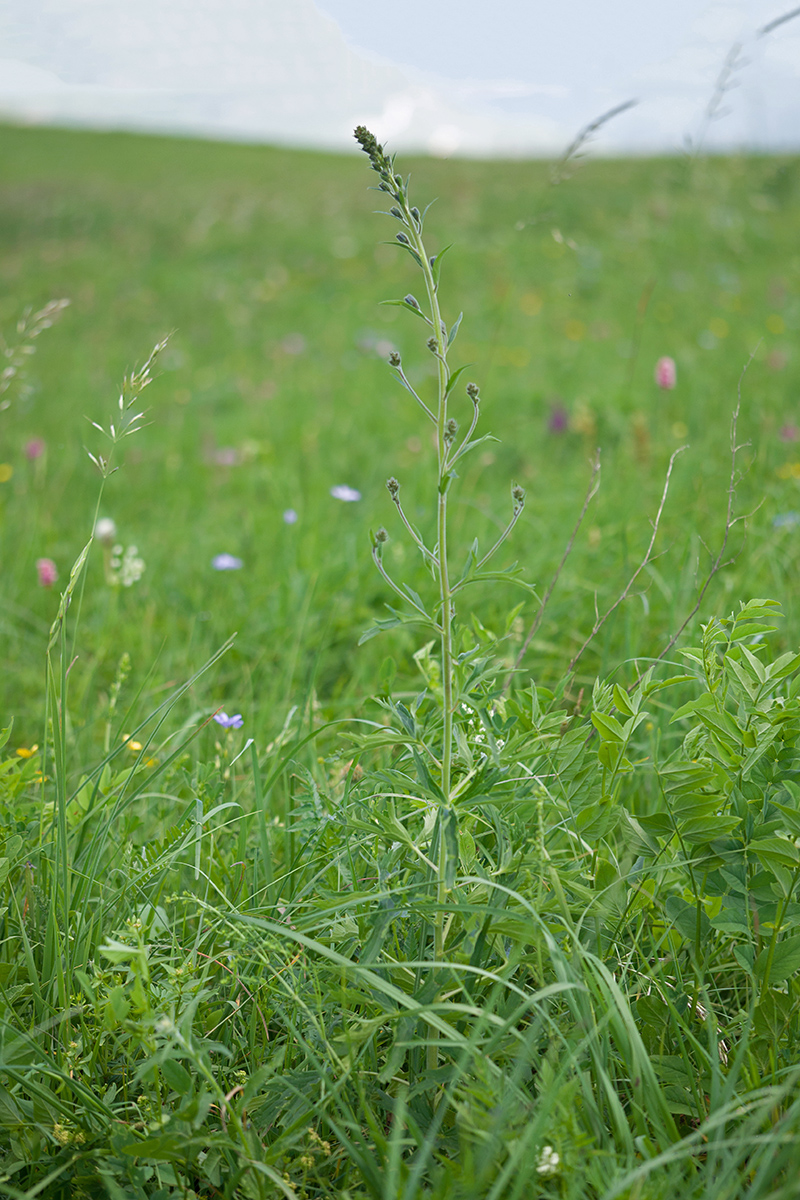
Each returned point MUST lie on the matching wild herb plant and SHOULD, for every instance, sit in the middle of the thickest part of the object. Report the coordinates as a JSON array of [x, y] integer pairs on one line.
[[452, 446]]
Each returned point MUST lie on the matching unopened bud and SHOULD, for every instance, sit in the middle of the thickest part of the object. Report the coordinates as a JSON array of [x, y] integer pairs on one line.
[[393, 487], [415, 214], [395, 211], [450, 430], [398, 181], [381, 536], [473, 391], [401, 237], [411, 301], [518, 496], [432, 345], [394, 359]]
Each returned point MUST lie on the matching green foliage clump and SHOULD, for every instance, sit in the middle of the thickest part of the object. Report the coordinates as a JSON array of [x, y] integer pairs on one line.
[[484, 937]]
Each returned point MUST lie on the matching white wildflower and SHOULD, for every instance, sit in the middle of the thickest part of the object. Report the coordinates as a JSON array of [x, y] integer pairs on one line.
[[343, 491], [126, 567], [548, 1161], [105, 530]]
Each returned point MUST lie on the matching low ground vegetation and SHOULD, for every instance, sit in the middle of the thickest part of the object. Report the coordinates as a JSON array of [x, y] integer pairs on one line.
[[264, 934]]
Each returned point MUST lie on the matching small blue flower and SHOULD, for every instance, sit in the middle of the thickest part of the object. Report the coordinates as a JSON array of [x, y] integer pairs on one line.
[[290, 516], [234, 722], [786, 520], [226, 562]]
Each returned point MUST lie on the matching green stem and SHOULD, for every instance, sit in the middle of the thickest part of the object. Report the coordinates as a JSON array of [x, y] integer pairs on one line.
[[445, 599]]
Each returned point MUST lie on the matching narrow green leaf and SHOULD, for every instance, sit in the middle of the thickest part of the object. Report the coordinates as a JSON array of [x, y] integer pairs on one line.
[[436, 265], [453, 378], [408, 307], [449, 819], [451, 337], [622, 701]]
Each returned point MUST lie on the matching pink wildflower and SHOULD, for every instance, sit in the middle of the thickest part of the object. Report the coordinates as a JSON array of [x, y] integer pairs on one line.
[[34, 449], [666, 374], [47, 572]]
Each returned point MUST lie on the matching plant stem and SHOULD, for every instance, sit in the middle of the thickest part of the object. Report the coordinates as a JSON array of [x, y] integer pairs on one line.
[[445, 599]]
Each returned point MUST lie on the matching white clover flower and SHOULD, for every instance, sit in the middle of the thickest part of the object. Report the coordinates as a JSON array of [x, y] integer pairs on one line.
[[548, 1161], [105, 530]]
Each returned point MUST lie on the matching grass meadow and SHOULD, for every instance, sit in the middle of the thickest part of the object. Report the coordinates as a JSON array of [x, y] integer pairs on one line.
[[231, 962]]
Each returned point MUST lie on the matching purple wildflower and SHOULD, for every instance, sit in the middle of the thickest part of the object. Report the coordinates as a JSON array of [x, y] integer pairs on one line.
[[290, 517], [342, 491], [558, 420], [226, 562], [35, 448], [789, 433], [234, 722]]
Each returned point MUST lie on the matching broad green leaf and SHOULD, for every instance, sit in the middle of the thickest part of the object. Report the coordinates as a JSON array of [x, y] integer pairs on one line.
[[692, 706], [165, 1148], [732, 918], [701, 830], [755, 663], [683, 916], [608, 727], [774, 851], [176, 1076], [785, 961], [783, 666]]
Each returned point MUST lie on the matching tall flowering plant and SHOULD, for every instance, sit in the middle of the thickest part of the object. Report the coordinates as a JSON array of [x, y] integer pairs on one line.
[[452, 445]]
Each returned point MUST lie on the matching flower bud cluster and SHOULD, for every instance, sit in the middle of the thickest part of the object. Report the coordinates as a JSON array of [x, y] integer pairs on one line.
[[393, 487], [381, 162], [473, 392]]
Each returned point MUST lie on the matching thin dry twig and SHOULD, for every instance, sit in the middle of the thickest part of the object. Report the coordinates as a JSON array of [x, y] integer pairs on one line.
[[787, 16], [648, 558], [582, 137], [591, 492], [718, 564]]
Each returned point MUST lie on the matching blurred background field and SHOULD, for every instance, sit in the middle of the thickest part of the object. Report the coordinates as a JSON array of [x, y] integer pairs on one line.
[[268, 267]]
